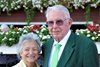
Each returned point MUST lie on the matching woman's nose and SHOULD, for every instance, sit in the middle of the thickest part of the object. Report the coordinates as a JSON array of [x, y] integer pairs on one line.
[[30, 52]]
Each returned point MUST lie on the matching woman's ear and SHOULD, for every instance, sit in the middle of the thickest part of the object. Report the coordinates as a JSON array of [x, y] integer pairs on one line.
[[20, 55]]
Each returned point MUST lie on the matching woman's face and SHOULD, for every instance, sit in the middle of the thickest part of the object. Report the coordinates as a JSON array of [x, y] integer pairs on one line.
[[29, 52]]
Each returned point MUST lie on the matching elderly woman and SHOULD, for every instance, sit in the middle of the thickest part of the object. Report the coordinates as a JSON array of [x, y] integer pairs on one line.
[[28, 50]]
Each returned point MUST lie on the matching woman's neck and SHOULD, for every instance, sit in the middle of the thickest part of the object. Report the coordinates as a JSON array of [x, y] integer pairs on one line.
[[31, 65]]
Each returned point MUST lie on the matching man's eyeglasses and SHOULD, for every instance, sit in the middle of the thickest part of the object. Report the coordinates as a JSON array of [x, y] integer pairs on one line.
[[58, 22]]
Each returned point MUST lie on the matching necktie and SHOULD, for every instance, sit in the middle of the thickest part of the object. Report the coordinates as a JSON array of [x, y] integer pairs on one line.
[[54, 59]]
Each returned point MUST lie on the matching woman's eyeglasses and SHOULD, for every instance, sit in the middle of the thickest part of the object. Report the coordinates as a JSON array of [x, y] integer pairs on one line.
[[58, 22]]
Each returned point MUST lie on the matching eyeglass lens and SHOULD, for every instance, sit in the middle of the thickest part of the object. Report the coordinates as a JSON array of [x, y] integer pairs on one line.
[[58, 22]]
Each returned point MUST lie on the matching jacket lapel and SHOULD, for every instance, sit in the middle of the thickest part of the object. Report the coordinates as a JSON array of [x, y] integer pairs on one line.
[[68, 50], [48, 51]]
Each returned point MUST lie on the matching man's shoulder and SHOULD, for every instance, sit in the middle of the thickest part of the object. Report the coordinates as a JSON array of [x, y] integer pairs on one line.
[[83, 38], [84, 41], [80, 38], [48, 40]]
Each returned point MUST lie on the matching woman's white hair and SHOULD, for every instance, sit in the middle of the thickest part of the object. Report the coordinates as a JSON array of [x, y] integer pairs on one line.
[[58, 7], [28, 37]]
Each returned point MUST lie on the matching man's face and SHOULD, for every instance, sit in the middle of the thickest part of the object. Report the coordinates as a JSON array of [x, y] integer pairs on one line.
[[58, 24]]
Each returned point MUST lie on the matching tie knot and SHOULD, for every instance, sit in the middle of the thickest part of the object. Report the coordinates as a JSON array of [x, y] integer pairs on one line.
[[58, 45]]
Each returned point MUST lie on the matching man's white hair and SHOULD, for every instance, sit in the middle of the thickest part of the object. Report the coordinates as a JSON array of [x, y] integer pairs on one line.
[[58, 7]]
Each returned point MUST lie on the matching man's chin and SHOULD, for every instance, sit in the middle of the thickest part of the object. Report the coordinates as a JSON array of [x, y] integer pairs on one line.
[[57, 38]]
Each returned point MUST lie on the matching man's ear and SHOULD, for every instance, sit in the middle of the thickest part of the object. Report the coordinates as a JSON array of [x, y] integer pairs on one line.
[[70, 21]]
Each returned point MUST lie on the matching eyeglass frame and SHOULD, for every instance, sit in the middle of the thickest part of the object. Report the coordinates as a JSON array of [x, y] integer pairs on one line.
[[58, 22]]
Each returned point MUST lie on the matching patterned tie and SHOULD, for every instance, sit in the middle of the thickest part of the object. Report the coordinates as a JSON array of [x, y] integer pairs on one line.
[[54, 59]]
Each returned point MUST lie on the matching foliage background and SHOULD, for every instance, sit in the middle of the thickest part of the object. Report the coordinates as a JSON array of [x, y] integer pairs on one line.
[[30, 6], [12, 35], [92, 31]]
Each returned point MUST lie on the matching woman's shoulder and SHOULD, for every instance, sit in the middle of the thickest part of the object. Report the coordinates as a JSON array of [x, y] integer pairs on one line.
[[20, 64]]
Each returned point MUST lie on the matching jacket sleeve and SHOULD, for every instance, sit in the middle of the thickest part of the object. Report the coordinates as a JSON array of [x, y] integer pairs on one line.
[[90, 58]]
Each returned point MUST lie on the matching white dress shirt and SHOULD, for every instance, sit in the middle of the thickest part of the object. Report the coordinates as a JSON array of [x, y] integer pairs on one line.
[[63, 43]]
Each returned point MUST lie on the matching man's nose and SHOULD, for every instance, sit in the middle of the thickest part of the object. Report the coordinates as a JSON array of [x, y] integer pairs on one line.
[[55, 24]]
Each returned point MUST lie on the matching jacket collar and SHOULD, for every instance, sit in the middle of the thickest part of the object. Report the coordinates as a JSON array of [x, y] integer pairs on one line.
[[48, 48], [67, 52]]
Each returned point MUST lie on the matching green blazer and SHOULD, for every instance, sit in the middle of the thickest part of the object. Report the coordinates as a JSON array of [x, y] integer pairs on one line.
[[78, 52]]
